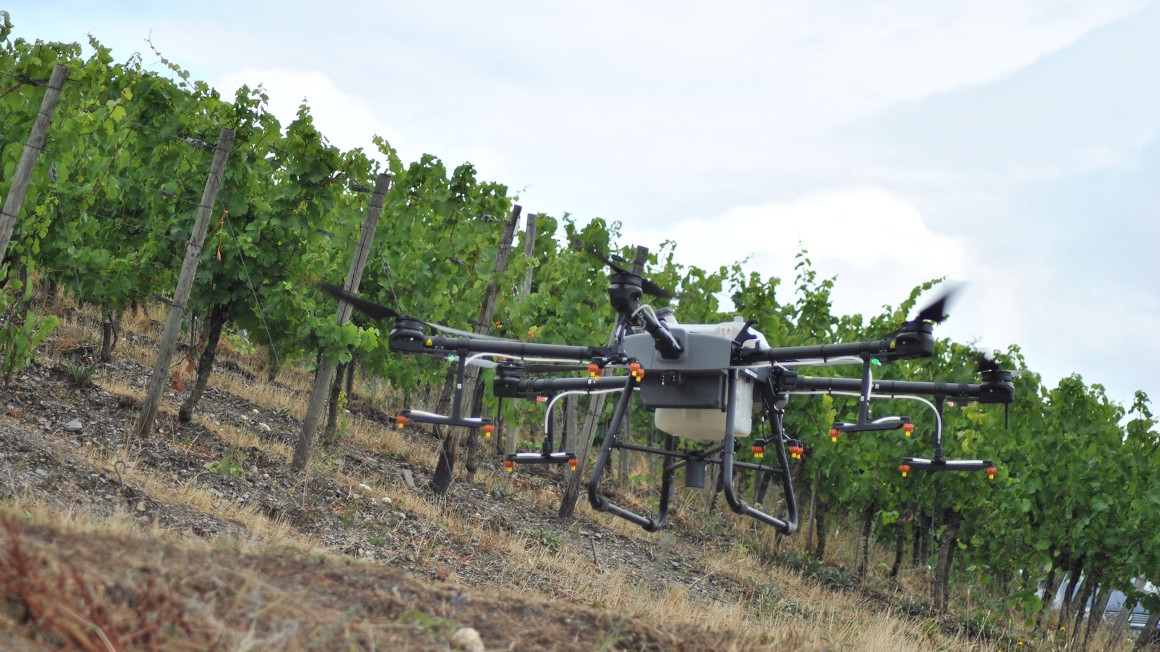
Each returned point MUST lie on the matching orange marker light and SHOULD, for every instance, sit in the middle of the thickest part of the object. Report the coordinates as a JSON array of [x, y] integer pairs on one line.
[[572, 464], [991, 472], [905, 468], [759, 452], [636, 371], [400, 421], [797, 452], [908, 428], [509, 465], [834, 433], [487, 430], [594, 370]]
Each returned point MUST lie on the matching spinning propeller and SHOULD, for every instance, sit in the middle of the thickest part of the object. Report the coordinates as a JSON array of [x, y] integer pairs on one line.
[[935, 312], [650, 288], [914, 338], [379, 311], [987, 365]]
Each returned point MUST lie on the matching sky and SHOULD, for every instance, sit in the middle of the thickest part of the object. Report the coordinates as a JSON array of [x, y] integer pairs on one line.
[[1012, 145]]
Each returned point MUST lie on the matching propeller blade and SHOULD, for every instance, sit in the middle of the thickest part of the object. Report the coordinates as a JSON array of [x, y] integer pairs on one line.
[[986, 363], [608, 261], [650, 288], [655, 290], [367, 307], [378, 311], [936, 311]]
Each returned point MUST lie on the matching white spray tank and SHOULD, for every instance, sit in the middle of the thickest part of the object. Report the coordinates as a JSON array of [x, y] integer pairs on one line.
[[708, 425]]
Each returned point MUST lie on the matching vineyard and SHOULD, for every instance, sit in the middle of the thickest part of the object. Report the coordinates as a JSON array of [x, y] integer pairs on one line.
[[130, 192]]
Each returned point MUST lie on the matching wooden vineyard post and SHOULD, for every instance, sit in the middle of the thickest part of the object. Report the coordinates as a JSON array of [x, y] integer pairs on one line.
[[592, 420], [324, 375], [529, 249], [184, 285], [449, 450], [23, 175], [508, 446]]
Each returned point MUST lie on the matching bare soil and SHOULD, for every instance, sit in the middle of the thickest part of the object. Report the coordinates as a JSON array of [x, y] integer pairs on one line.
[[93, 557], [389, 573]]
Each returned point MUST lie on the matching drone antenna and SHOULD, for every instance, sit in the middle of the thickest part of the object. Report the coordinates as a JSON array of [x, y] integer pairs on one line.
[[549, 430], [864, 395], [499, 420], [939, 401]]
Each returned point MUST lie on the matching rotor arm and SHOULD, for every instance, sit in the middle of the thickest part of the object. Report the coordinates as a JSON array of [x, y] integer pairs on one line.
[[666, 343], [410, 340], [913, 340], [822, 352], [990, 391], [529, 387], [890, 388]]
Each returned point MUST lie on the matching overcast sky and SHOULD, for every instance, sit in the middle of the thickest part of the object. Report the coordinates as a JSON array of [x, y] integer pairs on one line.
[[1009, 144]]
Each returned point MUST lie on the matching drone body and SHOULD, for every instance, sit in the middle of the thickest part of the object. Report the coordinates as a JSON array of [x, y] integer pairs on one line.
[[689, 392], [704, 383]]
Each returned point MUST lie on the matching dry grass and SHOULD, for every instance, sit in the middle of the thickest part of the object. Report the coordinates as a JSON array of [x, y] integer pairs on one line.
[[779, 606], [34, 510], [366, 435], [260, 529], [62, 591], [261, 393]]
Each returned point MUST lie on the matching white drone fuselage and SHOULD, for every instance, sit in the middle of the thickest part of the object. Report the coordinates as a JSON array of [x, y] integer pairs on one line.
[[689, 393]]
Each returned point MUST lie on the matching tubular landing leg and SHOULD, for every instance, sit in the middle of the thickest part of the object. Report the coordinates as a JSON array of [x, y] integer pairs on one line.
[[603, 504], [785, 526]]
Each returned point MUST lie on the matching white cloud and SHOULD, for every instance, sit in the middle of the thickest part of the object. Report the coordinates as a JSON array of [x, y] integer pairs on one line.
[[875, 241], [346, 121], [897, 141]]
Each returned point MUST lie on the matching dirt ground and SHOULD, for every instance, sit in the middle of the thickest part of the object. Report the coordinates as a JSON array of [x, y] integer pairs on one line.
[[390, 574], [200, 536]]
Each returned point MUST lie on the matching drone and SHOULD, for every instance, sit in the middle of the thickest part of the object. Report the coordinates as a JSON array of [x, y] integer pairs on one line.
[[703, 383]]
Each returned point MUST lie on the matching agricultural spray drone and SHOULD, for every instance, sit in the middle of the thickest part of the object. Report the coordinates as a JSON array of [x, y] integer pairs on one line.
[[704, 383]]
